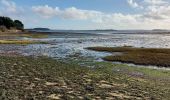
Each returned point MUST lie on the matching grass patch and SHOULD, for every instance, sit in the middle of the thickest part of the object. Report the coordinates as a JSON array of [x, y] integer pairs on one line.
[[20, 42], [34, 35], [126, 69], [140, 56], [45, 78], [27, 35]]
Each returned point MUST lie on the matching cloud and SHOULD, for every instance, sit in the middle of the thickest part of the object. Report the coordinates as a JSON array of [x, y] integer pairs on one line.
[[11, 6], [8, 7], [46, 11], [74, 13], [157, 9], [134, 4], [151, 13], [98, 17], [79, 14], [68, 13], [155, 2], [154, 14]]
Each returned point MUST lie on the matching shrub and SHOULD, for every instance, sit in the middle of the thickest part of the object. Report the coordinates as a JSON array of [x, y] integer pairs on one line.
[[8, 23], [18, 24], [3, 28]]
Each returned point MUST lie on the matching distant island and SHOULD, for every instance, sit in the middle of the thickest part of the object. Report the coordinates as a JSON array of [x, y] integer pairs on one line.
[[105, 30], [44, 29], [159, 30], [9, 25], [38, 29]]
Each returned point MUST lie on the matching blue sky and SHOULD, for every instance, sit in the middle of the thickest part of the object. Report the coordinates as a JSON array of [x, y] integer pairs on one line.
[[89, 14]]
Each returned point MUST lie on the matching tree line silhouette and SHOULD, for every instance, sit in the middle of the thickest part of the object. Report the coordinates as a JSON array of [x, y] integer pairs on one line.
[[8, 23]]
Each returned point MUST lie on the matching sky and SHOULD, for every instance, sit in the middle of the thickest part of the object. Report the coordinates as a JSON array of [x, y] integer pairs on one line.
[[89, 14]]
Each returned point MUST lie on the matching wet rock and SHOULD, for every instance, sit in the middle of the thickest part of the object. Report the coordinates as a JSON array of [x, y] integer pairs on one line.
[[89, 88], [79, 41], [59, 90]]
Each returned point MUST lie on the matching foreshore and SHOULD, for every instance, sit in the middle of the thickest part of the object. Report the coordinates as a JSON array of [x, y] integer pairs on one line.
[[45, 78], [42, 78]]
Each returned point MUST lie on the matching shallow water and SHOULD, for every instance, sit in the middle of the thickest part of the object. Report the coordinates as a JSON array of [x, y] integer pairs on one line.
[[64, 46], [72, 45]]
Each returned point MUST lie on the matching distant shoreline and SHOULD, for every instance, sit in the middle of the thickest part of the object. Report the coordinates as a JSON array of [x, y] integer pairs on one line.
[[99, 31]]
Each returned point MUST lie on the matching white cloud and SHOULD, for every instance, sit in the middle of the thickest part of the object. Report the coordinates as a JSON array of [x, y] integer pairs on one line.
[[134, 4], [157, 9], [8, 7], [155, 2], [68, 13], [74, 13], [79, 14], [46, 11], [152, 15]]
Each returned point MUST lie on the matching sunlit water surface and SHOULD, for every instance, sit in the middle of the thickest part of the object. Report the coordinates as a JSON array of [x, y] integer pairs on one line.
[[72, 45]]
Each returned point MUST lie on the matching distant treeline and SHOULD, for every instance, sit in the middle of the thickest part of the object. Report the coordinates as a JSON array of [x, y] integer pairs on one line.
[[8, 23]]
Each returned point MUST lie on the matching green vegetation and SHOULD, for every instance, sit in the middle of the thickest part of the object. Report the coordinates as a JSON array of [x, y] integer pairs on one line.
[[44, 78], [20, 42], [141, 56], [24, 34], [18, 24], [12, 38], [6, 22]]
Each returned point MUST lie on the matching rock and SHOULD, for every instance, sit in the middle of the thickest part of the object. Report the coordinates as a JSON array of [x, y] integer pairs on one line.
[[89, 88], [62, 82], [50, 84], [105, 86], [15, 64], [54, 96]]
